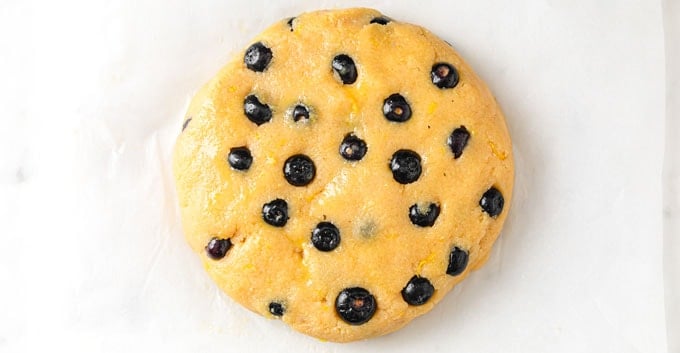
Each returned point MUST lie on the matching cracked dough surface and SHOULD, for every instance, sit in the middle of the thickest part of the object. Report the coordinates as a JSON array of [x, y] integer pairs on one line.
[[380, 248]]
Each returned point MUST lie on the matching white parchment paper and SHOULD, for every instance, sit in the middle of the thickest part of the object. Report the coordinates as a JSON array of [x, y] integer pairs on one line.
[[671, 174], [92, 257]]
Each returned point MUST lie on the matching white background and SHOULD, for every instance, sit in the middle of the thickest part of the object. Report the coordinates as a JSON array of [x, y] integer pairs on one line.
[[92, 258]]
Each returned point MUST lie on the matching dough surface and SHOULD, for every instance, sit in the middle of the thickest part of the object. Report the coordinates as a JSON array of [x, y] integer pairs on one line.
[[281, 271]]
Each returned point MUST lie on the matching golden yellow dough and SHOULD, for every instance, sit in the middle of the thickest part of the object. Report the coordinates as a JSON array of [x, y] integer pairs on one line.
[[380, 248]]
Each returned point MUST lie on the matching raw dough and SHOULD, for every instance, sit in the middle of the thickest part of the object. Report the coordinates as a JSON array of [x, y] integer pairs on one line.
[[376, 86]]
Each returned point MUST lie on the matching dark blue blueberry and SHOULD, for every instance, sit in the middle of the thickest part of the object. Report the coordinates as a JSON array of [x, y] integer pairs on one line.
[[257, 57], [492, 202], [300, 112], [326, 236], [276, 309], [444, 75], [396, 108], [424, 219], [405, 165], [240, 158], [256, 111], [418, 291], [458, 260], [355, 305], [381, 20], [353, 148], [299, 170], [458, 140], [344, 66], [217, 248], [275, 213]]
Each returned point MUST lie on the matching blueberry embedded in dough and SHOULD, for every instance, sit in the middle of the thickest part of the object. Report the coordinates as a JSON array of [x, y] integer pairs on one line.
[[353, 148], [277, 309], [382, 20], [458, 140], [217, 248], [257, 57], [417, 291], [325, 236], [492, 202], [300, 113], [367, 228], [444, 75], [355, 305], [424, 217], [405, 165], [458, 260], [275, 213], [343, 65], [396, 108], [256, 111], [299, 170], [240, 158]]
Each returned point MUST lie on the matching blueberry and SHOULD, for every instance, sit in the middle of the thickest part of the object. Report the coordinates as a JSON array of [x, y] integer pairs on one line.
[[424, 219], [458, 260], [344, 66], [276, 309], [299, 170], [217, 248], [492, 202], [256, 111], [355, 305], [290, 23], [186, 122], [240, 158], [418, 291], [257, 57], [300, 112], [326, 236], [353, 148], [458, 140], [396, 108], [368, 228], [405, 165], [275, 212], [444, 75], [381, 20]]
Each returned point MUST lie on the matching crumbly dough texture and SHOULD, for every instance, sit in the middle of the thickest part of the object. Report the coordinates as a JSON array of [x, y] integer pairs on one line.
[[380, 248]]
